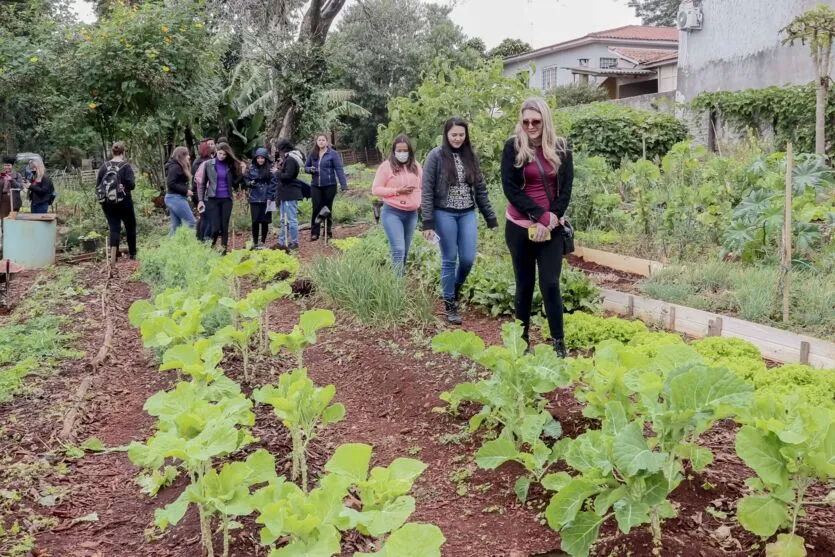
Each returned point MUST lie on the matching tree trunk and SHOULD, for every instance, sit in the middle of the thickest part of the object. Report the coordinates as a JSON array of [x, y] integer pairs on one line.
[[822, 98], [189, 136]]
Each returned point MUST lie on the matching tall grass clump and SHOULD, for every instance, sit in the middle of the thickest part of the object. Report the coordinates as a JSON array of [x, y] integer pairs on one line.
[[372, 292]]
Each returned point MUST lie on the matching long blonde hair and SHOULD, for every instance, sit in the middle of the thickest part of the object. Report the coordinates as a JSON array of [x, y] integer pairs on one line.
[[552, 145], [38, 167]]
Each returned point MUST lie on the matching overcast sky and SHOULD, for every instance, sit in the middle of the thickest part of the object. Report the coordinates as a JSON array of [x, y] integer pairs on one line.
[[538, 22]]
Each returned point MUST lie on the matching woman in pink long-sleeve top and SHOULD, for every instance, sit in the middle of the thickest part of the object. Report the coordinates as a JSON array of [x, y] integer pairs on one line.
[[398, 183]]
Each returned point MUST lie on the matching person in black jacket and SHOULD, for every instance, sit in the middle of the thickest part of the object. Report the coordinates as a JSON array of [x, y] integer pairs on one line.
[[289, 193], [453, 186], [120, 211], [41, 189], [11, 184], [537, 176], [261, 183], [205, 152], [178, 177]]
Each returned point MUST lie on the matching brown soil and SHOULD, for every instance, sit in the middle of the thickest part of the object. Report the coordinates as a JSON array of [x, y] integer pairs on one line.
[[606, 277], [389, 382]]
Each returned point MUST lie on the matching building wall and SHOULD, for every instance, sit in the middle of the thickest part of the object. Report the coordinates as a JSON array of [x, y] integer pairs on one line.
[[667, 78], [739, 47], [567, 58]]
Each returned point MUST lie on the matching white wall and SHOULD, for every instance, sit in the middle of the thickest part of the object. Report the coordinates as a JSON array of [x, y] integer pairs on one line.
[[568, 58], [739, 47], [667, 78]]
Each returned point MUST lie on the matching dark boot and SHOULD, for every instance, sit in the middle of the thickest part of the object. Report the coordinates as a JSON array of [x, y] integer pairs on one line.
[[526, 338], [458, 291], [452, 311], [559, 347]]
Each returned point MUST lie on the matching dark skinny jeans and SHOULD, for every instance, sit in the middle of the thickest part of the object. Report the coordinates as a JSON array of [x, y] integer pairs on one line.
[[118, 213], [219, 213], [526, 256]]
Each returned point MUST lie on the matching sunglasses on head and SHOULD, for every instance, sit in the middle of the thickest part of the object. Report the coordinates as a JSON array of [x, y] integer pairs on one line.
[[528, 123]]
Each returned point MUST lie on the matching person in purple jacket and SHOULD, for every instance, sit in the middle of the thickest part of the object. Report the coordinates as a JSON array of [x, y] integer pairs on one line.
[[216, 179]]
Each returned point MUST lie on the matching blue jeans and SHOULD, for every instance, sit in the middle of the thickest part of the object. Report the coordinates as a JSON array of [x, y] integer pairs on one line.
[[180, 211], [291, 210], [458, 233], [399, 226], [38, 208]]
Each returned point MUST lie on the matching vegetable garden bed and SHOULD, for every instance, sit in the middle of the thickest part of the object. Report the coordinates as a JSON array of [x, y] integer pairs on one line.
[[88, 504]]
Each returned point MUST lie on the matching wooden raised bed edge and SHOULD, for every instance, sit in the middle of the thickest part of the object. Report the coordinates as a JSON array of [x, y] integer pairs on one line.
[[774, 344]]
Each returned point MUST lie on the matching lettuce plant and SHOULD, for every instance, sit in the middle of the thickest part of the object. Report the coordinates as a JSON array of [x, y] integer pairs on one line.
[[303, 334], [303, 408], [173, 318], [241, 340], [790, 445]]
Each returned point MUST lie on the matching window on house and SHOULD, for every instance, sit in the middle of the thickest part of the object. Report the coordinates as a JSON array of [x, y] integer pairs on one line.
[[608, 63], [549, 77], [584, 62]]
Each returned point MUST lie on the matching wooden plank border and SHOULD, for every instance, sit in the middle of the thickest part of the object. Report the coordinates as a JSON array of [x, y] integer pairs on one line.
[[624, 263], [774, 344]]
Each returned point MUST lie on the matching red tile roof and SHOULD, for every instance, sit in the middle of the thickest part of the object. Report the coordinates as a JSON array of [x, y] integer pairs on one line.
[[644, 55], [639, 33]]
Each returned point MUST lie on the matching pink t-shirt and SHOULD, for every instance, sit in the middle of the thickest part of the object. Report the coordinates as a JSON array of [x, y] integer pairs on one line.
[[535, 189], [386, 183]]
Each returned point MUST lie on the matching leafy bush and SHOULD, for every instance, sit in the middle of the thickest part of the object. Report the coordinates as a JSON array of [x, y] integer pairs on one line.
[[617, 132], [815, 386], [576, 94], [583, 331], [180, 261]]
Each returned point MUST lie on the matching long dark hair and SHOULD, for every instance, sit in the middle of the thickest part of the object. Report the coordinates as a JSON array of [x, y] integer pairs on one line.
[[180, 154], [466, 153], [410, 165], [231, 160]]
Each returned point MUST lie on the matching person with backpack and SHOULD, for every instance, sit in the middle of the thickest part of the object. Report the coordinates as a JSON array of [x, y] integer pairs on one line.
[[261, 184], [216, 179], [537, 177], [41, 191], [205, 151], [453, 187], [114, 185], [325, 166], [178, 178]]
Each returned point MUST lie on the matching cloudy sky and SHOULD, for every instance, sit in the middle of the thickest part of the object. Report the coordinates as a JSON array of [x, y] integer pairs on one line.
[[538, 22]]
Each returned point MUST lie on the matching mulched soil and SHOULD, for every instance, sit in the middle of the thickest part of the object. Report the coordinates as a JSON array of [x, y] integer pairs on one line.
[[389, 382], [605, 277]]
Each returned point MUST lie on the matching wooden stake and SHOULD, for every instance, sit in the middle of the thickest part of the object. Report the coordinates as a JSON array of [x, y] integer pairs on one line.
[[805, 348], [714, 327], [787, 234], [630, 306], [672, 319]]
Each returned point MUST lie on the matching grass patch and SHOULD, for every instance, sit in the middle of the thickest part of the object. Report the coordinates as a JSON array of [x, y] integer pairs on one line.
[[181, 261], [372, 292]]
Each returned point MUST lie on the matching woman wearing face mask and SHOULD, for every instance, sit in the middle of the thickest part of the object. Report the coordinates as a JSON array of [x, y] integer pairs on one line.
[[453, 185], [325, 166], [398, 183], [216, 179], [537, 175]]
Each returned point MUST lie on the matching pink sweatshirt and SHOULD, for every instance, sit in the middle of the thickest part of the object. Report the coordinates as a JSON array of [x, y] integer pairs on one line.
[[386, 183]]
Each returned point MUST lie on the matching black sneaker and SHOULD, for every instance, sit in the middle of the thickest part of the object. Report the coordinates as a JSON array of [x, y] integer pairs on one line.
[[451, 308], [314, 238], [559, 347], [294, 246]]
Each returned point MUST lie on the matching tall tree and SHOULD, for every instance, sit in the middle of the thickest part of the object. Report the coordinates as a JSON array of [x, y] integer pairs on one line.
[[656, 12], [509, 47], [816, 27], [380, 49], [286, 38]]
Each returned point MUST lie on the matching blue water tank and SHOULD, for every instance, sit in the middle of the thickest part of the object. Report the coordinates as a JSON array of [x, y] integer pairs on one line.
[[28, 241]]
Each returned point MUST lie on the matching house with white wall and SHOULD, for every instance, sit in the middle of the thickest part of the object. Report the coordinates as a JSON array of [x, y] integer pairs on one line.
[[627, 61]]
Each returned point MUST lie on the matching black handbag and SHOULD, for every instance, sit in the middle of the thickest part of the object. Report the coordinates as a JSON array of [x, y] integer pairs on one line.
[[566, 231]]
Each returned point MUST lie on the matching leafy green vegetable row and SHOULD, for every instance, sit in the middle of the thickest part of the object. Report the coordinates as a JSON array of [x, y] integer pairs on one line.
[[652, 398]]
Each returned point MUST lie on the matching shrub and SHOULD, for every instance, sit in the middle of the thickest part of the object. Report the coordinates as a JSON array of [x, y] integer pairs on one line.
[[577, 93], [618, 132], [176, 264], [583, 331]]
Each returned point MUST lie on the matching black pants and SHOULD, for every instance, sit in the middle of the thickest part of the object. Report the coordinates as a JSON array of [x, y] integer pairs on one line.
[[219, 212], [526, 256], [202, 228], [322, 197], [118, 213]]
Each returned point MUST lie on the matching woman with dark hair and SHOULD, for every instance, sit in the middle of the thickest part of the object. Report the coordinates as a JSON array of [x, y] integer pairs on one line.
[[205, 151], [41, 188], [453, 185], [262, 190], [178, 177], [119, 209], [398, 183], [289, 193], [325, 165], [216, 179]]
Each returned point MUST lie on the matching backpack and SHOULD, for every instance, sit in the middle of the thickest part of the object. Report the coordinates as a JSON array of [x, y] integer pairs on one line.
[[110, 189]]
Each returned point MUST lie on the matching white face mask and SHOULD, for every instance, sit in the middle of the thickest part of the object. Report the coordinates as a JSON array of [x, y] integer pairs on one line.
[[401, 156]]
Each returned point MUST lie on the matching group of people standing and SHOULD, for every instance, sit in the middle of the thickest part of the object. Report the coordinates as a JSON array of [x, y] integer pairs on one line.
[[537, 174], [36, 185]]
